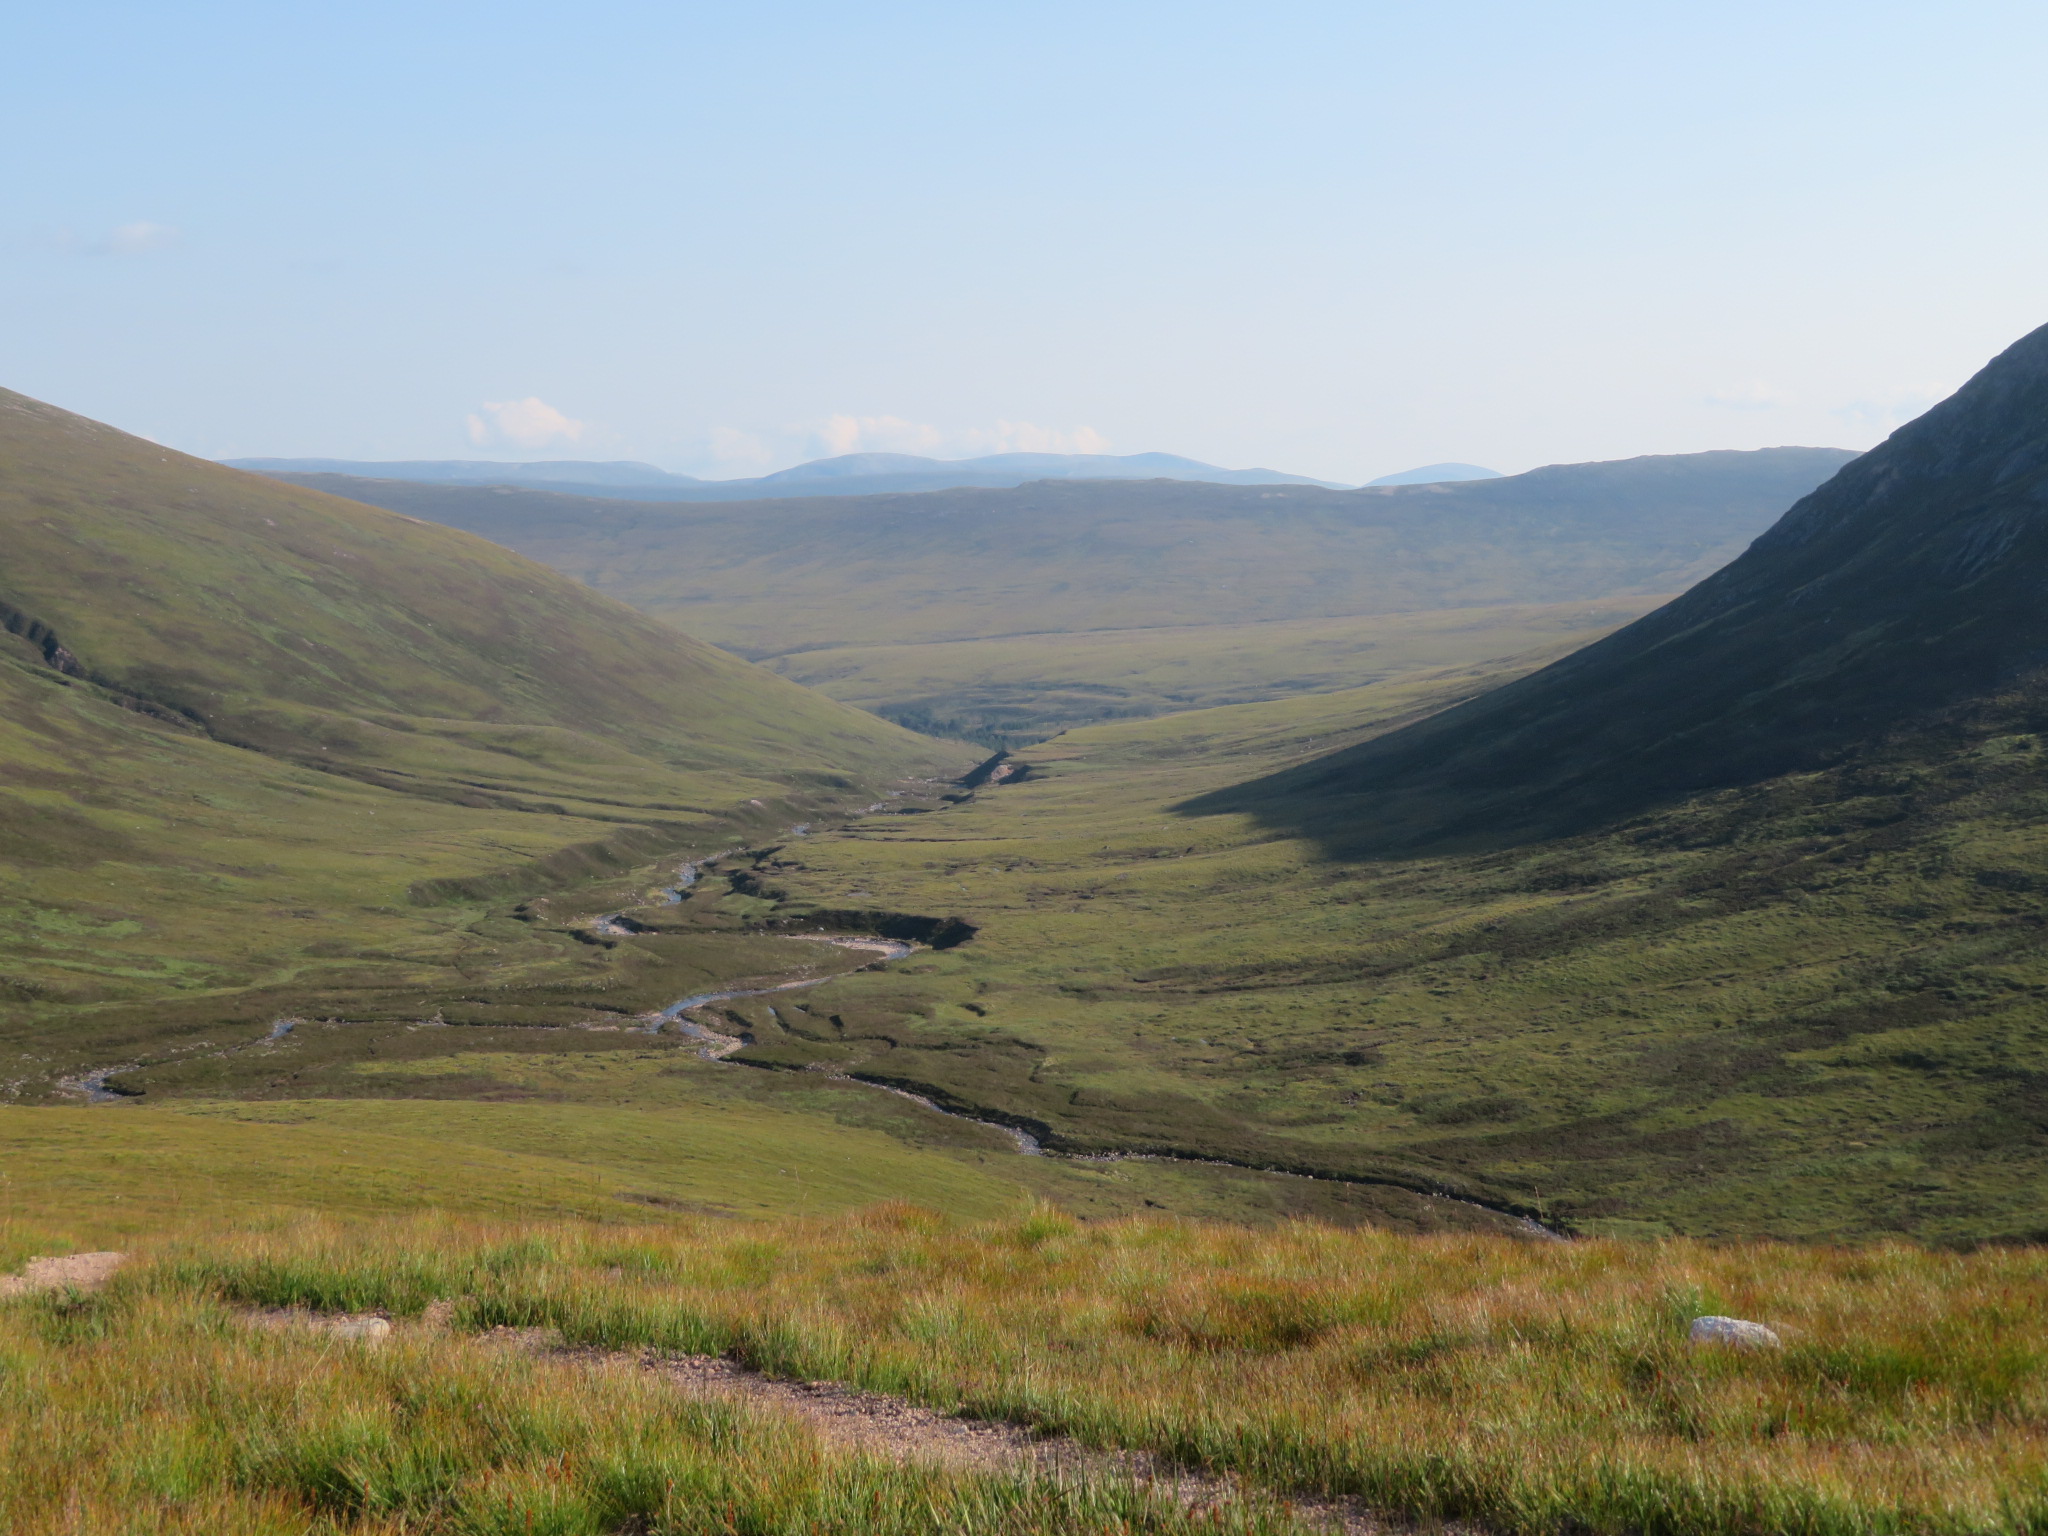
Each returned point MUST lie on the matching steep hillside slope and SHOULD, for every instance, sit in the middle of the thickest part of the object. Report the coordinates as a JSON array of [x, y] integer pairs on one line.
[[1910, 582], [855, 594]]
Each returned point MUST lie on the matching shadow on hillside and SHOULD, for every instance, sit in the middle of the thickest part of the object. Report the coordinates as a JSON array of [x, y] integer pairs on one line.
[[1456, 783]]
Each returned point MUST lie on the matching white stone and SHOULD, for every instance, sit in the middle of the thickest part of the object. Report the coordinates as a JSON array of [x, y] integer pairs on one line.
[[1734, 1332]]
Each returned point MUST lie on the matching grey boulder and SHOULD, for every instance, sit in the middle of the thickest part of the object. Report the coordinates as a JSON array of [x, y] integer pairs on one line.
[[1733, 1332]]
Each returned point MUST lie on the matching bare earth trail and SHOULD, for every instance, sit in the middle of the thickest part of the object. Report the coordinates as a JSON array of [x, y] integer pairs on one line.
[[843, 1418], [871, 1423]]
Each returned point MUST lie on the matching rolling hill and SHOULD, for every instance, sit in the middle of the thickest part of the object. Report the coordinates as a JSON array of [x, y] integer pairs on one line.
[[848, 474], [854, 595], [261, 743]]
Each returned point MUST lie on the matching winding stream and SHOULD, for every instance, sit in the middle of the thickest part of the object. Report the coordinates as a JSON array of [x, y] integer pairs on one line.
[[717, 1046]]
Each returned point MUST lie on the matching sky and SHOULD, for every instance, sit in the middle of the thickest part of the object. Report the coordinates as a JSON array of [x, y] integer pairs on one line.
[[1339, 240]]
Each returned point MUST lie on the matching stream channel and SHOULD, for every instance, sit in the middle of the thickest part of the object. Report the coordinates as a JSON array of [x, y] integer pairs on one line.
[[718, 1046], [93, 1085]]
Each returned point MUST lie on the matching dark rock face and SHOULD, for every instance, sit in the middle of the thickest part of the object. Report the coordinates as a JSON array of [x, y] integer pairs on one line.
[[1912, 580]]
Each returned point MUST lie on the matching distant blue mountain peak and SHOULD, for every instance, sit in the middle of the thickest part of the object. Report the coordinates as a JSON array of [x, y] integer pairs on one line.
[[1437, 474]]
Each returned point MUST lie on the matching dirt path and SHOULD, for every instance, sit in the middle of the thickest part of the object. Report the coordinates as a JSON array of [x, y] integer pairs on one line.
[[844, 1418], [67, 1272], [872, 1423]]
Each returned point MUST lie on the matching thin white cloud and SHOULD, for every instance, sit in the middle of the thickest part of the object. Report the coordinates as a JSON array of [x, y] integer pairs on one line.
[[1029, 437], [142, 236], [893, 434], [1880, 416], [137, 239], [732, 449], [878, 434], [528, 423], [729, 452]]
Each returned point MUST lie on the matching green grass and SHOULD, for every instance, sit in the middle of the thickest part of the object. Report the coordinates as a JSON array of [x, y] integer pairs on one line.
[[1023, 688], [120, 1172], [264, 751], [1527, 1387], [496, 1121], [1807, 1009], [237, 1431]]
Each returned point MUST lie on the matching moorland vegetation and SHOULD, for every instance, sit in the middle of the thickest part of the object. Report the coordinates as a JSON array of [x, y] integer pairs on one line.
[[1248, 961], [264, 751], [1511, 950], [1514, 1385], [1007, 615]]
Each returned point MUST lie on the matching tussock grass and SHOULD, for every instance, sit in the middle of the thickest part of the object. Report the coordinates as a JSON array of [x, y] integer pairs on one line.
[[157, 1410], [1809, 1009], [1530, 1387]]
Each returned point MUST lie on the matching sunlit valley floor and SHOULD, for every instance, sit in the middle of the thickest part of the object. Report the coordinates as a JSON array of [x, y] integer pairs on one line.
[[1350, 1098]]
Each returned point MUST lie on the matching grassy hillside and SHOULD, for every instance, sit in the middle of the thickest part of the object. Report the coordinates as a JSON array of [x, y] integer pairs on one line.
[[1809, 1008], [203, 1163], [1907, 584], [834, 589], [263, 750], [322, 631]]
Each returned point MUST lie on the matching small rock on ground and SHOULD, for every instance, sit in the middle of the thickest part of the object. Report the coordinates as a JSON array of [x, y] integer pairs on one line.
[[365, 1327], [1734, 1332]]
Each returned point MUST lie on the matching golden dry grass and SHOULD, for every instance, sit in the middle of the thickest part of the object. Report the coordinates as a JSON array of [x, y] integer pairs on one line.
[[1528, 1386], [140, 1411]]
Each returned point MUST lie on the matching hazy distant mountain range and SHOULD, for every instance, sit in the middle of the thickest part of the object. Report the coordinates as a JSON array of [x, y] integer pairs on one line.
[[809, 580], [850, 474]]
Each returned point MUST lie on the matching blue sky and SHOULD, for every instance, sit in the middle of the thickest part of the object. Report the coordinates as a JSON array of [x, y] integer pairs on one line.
[[1334, 239]]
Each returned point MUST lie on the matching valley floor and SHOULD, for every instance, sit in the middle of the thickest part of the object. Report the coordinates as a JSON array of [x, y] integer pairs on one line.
[[1811, 1008], [1808, 1009]]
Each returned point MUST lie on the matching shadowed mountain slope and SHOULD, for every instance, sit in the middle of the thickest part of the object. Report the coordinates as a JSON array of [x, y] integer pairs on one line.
[[1911, 581]]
